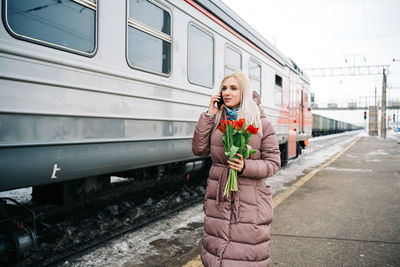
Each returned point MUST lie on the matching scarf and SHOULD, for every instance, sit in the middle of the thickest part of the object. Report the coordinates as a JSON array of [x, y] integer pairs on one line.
[[231, 115]]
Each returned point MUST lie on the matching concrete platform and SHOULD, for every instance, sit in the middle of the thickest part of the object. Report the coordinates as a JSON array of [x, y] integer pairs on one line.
[[345, 213], [348, 214]]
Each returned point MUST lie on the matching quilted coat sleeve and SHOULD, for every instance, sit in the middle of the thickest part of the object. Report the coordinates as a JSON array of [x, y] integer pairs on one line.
[[270, 161], [201, 137]]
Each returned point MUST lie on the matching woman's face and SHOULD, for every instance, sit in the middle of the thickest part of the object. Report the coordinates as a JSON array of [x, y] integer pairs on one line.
[[231, 93]]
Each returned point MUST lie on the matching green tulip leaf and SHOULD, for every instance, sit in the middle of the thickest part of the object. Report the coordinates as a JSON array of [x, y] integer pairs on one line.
[[233, 151]]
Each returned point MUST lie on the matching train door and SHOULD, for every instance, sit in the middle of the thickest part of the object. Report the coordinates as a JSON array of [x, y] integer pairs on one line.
[[292, 116], [301, 120]]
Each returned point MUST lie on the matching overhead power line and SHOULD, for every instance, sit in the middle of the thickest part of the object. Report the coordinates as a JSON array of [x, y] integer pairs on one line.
[[347, 71]]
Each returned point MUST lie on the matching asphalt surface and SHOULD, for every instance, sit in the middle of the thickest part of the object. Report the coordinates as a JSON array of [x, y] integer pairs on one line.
[[348, 214]]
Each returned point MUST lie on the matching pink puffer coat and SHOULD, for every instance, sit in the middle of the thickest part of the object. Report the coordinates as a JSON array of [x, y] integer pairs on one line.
[[236, 230]]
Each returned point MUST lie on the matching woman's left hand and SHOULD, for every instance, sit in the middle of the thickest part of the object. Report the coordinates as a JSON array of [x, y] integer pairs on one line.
[[236, 164]]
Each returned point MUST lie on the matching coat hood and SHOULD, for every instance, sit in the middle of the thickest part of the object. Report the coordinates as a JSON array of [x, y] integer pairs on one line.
[[257, 100]]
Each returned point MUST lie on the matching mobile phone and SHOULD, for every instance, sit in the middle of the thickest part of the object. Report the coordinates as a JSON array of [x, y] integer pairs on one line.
[[221, 101]]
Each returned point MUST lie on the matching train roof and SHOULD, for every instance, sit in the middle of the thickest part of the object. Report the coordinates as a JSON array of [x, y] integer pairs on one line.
[[298, 70], [227, 15]]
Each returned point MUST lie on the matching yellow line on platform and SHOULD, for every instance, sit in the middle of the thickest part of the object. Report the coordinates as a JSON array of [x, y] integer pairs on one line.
[[196, 262], [285, 194]]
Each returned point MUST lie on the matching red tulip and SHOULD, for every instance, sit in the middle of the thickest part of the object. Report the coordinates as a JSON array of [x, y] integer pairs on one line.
[[221, 128], [251, 129], [239, 124]]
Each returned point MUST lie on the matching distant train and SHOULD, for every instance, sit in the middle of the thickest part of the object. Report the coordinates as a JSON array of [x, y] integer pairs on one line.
[[91, 88], [322, 126]]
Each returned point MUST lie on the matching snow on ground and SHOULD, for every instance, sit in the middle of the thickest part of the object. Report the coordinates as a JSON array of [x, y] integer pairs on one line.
[[22, 195], [137, 246], [394, 135], [378, 152], [116, 179], [347, 169]]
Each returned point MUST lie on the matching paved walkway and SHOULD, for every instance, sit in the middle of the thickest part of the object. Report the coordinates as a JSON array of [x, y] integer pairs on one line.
[[348, 214], [345, 213]]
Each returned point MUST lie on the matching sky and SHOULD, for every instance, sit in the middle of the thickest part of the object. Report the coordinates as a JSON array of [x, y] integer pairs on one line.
[[326, 33]]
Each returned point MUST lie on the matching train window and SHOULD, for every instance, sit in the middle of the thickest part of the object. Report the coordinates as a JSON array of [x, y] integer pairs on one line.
[[233, 60], [150, 14], [200, 57], [255, 76], [67, 25], [149, 37], [278, 91]]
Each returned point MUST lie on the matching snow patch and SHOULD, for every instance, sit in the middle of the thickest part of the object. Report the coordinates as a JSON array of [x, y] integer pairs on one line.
[[347, 170], [375, 153], [373, 160], [137, 246], [22, 195], [116, 179]]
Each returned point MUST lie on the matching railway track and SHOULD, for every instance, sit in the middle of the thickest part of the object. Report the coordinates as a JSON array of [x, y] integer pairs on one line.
[[66, 232]]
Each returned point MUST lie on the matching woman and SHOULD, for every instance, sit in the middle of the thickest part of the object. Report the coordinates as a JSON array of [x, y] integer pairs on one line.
[[236, 229]]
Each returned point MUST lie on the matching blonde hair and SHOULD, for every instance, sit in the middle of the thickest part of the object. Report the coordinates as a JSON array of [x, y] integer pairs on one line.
[[248, 109]]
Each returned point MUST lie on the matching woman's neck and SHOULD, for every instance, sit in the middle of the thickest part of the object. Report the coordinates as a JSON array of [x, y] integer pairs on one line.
[[235, 107]]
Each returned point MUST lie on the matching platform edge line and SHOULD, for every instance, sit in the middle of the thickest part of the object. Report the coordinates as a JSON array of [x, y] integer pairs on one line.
[[196, 262]]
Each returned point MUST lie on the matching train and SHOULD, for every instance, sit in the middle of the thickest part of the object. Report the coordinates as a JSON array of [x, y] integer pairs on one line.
[[323, 126], [90, 88]]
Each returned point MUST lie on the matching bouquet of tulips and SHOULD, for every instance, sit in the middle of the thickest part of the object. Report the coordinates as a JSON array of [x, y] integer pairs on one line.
[[236, 136]]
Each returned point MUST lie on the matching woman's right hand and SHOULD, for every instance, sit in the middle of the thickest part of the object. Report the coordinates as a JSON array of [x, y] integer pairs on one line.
[[212, 107]]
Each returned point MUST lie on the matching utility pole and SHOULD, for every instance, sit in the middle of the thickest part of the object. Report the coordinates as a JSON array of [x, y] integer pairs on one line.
[[383, 107]]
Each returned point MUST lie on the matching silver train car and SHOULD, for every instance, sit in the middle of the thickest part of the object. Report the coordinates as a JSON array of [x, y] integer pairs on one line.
[[92, 87]]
